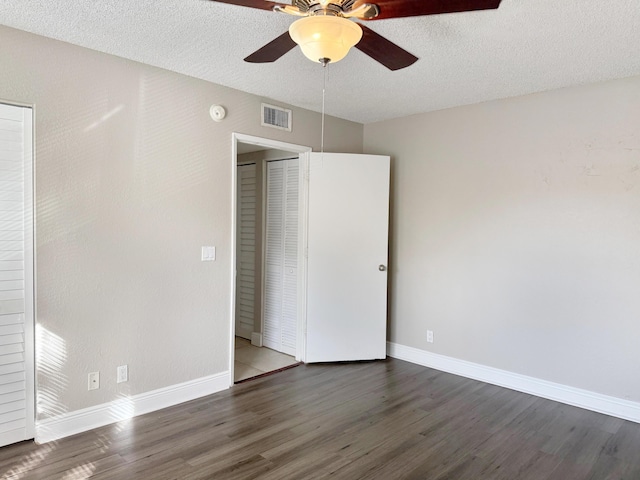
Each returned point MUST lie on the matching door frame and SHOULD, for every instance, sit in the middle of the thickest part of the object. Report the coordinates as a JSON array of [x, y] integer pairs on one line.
[[303, 208]]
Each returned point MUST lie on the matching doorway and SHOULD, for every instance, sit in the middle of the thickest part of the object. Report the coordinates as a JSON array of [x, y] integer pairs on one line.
[[269, 200], [342, 254]]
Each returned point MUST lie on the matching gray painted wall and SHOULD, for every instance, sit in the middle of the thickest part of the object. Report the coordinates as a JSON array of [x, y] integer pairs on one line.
[[515, 234], [132, 178]]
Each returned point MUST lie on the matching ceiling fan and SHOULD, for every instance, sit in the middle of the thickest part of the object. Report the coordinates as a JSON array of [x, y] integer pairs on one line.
[[326, 32]]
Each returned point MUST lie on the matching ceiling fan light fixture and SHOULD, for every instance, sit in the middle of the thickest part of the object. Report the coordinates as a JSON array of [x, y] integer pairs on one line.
[[324, 37]]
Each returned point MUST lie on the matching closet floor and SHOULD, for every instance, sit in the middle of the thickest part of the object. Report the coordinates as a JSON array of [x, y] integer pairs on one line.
[[251, 361]]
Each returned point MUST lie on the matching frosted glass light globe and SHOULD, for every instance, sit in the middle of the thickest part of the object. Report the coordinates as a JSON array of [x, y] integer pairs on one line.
[[323, 37]]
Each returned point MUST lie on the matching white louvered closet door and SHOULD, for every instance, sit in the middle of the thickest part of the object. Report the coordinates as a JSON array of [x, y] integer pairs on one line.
[[281, 256], [16, 276], [246, 248]]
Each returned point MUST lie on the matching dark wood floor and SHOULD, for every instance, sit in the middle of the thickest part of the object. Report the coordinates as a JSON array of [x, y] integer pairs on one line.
[[382, 420]]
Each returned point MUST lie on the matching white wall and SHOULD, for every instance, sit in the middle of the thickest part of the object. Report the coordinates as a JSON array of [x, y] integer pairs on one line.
[[516, 234], [132, 178]]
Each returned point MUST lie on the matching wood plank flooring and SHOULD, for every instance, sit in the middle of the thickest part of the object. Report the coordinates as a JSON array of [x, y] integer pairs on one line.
[[371, 420]]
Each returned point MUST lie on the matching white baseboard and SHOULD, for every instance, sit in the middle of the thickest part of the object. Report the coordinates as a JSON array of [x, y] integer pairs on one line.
[[256, 339], [127, 407], [616, 407], [243, 331]]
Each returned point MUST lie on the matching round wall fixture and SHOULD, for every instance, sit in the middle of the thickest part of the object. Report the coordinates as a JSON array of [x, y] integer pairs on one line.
[[217, 112]]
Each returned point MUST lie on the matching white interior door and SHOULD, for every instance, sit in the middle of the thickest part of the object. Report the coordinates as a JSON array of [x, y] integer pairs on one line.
[[246, 251], [281, 256], [348, 227], [16, 276]]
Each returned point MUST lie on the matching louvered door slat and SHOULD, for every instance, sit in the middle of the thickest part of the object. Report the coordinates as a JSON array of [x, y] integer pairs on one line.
[[12, 397], [11, 285], [15, 386], [15, 406], [11, 359], [16, 338], [11, 367]]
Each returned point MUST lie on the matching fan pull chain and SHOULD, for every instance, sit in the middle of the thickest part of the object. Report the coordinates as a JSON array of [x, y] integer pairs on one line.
[[325, 72]]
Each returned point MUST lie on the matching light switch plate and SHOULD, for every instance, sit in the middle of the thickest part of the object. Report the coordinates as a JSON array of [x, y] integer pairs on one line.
[[208, 254]]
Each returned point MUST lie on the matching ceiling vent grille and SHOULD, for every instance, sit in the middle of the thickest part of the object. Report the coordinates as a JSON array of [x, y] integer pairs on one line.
[[276, 117]]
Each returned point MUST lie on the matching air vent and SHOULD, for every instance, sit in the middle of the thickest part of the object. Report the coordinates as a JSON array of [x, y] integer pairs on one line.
[[276, 117]]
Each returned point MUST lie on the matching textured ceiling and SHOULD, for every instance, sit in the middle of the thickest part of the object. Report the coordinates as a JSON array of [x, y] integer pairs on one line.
[[523, 47]]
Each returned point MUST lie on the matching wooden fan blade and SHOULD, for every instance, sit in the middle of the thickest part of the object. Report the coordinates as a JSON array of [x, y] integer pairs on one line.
[[273, 50], [416, 8], [384, 51], [261, 4]]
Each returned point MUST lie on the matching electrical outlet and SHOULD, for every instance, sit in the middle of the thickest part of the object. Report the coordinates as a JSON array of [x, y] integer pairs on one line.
[[123, 373], [430, 336], [94, 381]]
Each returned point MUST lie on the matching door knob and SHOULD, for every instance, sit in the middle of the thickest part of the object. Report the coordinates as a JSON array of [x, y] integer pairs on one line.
[[382, 268]]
